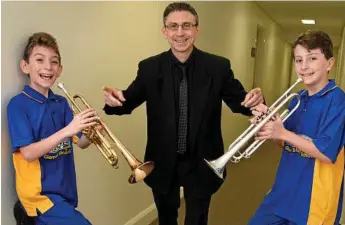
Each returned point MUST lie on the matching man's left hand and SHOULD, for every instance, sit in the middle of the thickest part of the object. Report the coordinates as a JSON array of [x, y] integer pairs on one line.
[[253, 98]]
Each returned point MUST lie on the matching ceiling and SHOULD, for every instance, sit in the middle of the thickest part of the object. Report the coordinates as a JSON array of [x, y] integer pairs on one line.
[[329, 17]]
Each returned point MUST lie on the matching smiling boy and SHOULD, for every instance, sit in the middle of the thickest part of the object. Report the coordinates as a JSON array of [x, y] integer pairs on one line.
[[308, 186], [41, 125]]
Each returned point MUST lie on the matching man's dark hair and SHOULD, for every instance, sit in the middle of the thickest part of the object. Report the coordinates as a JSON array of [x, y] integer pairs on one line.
[[314, 40], [180, 6]]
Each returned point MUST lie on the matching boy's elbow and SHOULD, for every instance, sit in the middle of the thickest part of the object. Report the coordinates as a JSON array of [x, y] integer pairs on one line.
[[27, 155], [326, 160]]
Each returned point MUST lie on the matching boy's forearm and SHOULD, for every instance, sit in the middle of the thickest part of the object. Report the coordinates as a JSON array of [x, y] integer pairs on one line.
[[39, 149], [305, 145]]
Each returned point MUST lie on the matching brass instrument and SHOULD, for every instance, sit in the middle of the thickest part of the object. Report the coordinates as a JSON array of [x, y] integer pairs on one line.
[[233, 154], [139, 170]]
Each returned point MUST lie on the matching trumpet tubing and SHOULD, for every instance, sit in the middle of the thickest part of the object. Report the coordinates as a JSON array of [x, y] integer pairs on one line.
[[139, 170], [234, 154]]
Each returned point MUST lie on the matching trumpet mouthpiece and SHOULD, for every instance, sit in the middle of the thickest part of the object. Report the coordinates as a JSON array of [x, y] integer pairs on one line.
[[60, 85], [299, 79]]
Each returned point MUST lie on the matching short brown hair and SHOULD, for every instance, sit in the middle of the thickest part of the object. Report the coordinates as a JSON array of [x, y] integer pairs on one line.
[[314, 40], [180, 6], [40, 39]]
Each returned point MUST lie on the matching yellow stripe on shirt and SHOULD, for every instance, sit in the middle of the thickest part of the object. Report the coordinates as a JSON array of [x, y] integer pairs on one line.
[[29, 186], [326, 187]]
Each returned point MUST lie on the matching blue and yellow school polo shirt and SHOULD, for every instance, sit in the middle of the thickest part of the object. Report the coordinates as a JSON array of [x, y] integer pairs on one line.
[[51, 178], [307, 191]]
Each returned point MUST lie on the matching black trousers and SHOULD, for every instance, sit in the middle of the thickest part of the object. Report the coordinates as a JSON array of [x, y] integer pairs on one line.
[[167, 204], [20, 215]]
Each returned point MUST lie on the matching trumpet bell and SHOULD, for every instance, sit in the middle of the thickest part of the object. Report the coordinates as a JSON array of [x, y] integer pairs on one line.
[[219, 171], [139, 173]]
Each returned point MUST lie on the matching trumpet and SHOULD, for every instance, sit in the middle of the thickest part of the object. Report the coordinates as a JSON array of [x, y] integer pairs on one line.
[[234, 154], [139, 170]]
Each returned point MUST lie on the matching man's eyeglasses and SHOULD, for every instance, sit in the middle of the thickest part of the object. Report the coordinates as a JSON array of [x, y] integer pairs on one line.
[[184, 26]]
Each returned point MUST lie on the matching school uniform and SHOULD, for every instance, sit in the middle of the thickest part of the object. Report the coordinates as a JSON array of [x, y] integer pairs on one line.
[[307, 191], [46, 187]]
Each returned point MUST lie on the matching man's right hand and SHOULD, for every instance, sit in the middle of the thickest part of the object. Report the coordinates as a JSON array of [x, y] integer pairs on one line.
[[113, 97]]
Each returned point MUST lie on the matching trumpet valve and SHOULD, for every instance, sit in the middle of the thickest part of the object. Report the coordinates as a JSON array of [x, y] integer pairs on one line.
[[114, 161]]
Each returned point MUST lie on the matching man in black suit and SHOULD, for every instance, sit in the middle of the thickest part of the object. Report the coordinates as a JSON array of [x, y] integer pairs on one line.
[[183, 89]]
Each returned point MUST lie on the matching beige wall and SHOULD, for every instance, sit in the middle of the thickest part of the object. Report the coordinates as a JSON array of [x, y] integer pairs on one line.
[[101, 44], [340, 76]]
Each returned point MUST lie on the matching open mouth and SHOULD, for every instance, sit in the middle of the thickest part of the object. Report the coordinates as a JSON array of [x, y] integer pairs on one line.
[[181, 41], [307, 74], [45, 76]]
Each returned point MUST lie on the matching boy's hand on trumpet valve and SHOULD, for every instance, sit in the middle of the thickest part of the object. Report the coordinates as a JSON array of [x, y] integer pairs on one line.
[[81, 121], [273, 129], [90, 132]]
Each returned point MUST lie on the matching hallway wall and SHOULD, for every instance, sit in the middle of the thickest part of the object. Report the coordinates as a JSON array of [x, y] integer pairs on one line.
[[340, 79], [341, 63]]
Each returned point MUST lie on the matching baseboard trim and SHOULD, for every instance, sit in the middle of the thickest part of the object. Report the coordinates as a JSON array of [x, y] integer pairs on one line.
[[145, 217], [148, 215]]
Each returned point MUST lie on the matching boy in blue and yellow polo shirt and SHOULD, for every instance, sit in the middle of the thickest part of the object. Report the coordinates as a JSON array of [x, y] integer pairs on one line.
[[41, 125], [308, 187]]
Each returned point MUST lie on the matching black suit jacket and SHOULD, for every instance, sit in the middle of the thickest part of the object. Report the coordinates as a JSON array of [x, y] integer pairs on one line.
[[154, 84]]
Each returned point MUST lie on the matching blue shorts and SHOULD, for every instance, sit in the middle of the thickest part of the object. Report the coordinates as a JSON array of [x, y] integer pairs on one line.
[[264, 216], [61, 213]]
